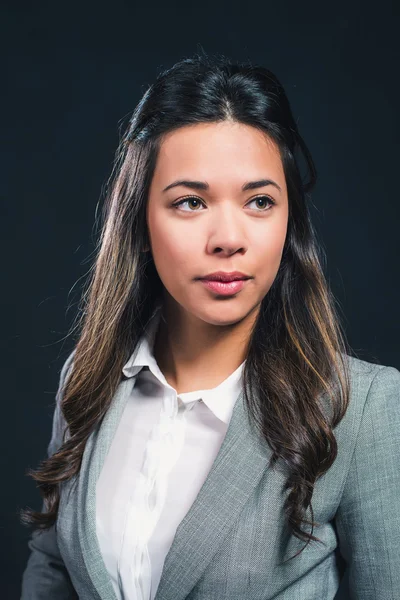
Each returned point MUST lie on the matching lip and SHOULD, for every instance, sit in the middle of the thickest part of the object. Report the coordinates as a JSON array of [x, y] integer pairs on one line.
[[224, 276], [224, 288]]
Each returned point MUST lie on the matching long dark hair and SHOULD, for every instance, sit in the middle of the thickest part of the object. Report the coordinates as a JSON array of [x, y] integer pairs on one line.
[[297, 350]]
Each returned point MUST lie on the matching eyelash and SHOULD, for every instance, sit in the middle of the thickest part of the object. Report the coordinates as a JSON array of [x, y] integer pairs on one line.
[[186, 198]]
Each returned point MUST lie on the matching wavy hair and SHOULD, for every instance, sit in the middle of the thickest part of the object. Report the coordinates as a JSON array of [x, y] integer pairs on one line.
[[297, 348]]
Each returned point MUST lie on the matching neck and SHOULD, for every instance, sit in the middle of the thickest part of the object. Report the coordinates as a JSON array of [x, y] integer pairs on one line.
[[193, 354]]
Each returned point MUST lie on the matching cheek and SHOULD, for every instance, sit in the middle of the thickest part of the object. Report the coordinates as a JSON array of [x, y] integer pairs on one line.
[[270, 243], [268, 255], [173, 254]]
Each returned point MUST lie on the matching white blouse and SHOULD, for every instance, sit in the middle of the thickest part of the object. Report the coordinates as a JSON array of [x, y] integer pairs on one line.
[[162, 452]]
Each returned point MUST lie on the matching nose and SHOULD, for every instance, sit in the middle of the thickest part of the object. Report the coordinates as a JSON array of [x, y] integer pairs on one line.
[[226, 234]]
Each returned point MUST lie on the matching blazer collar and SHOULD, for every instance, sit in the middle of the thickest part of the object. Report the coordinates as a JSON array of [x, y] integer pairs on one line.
[[238, 467]]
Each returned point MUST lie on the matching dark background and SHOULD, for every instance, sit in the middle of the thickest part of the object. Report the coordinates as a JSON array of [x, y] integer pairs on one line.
[[74, 72]]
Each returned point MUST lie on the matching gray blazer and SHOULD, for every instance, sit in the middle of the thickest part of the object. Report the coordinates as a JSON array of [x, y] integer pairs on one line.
[[232, 540]]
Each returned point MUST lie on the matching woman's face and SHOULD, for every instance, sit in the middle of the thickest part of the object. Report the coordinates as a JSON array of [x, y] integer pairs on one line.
[[221, 227]]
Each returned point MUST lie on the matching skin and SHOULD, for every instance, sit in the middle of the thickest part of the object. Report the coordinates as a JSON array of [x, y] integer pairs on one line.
[[205, 336]]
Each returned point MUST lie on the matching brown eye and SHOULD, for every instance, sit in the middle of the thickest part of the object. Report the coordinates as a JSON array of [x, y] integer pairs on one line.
[[263, 199], [187, 199], [197, 202]]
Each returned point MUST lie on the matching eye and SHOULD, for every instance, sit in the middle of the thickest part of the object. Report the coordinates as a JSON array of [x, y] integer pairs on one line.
[[196, 199], [186, 199], [263, 198]]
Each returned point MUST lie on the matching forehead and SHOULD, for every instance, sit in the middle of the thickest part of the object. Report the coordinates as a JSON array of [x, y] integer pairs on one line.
[[218, 152]]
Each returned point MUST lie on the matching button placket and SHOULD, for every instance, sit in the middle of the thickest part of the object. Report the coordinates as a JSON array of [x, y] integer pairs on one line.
[[162, 451]]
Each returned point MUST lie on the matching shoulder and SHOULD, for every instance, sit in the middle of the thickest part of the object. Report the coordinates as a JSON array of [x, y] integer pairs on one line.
[[59, 425], [373, 412], [372, 383], [367, 514], [377, 389], [66, 368], [368, 436]]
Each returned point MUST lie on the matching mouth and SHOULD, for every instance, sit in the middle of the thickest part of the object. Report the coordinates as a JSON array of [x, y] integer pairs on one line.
[[224, 288]]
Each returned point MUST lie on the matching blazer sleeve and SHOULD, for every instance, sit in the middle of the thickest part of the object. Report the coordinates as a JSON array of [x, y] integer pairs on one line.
[[368, 517], [45, 576]]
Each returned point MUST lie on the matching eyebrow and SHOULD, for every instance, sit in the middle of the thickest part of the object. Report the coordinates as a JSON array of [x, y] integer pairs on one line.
[[202, 185]]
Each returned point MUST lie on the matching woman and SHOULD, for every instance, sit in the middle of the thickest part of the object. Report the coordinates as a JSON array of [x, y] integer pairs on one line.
[[220, 440]]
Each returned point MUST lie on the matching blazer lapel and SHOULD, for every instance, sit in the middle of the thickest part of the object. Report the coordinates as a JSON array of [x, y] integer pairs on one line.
[[239, 465], [92, 462]]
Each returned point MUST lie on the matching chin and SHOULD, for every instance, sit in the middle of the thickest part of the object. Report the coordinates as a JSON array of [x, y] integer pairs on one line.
[[227, 311]]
